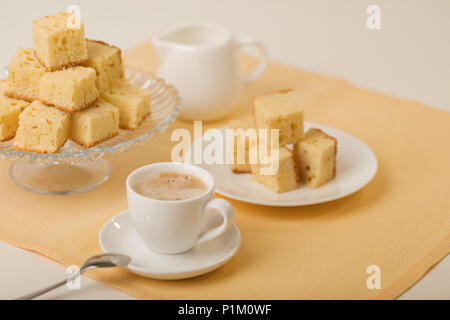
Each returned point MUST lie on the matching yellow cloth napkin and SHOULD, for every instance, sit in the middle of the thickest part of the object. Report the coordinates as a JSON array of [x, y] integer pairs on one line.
[[399, 222]]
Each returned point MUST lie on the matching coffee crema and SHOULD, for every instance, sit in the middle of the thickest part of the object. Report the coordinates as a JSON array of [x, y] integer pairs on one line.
[[170, 186]]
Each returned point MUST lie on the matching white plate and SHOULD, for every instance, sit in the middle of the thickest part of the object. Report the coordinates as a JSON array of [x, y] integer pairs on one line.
[[356, 166], [119, 236]]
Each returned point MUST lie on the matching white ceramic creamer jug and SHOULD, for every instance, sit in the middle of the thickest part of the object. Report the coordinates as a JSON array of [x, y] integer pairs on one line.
[[201, 61]]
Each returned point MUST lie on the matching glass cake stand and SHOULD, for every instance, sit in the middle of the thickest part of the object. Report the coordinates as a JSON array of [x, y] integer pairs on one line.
[[76, 169]]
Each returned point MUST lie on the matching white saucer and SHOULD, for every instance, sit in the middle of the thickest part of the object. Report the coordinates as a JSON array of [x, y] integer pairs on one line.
[[356, 166], [119, 236]]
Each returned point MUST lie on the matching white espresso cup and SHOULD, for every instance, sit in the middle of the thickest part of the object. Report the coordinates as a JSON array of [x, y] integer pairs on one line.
[[176, 226]]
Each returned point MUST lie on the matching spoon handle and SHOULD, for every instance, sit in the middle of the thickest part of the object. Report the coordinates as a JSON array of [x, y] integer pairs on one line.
[[49, 288]]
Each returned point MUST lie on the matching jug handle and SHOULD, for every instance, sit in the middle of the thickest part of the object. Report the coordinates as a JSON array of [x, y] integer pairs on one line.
[[259, 70]]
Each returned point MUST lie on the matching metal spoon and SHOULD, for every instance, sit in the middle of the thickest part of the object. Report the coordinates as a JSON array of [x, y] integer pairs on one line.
[[107, 260]]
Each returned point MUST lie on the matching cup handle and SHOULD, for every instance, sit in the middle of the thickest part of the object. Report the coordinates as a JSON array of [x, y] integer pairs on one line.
[[259, 70], [226, 210]]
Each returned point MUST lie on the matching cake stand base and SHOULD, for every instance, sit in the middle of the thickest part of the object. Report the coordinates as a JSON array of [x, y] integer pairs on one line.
[[60, 178]]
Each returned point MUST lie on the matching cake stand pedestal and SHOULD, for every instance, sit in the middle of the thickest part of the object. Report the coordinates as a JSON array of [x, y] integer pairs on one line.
[[60, 178]]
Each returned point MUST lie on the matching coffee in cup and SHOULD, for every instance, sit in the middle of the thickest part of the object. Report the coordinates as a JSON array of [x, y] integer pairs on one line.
[[170, 185], [174, 220]]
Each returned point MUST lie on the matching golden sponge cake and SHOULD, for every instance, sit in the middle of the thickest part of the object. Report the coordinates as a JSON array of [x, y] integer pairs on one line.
[[316, 154], [42, 129], [285, 178], [107, 62], [280, 110], [133, 104], [10, 110], [70, 90], [95, 124], [58, 41], [24, 75]]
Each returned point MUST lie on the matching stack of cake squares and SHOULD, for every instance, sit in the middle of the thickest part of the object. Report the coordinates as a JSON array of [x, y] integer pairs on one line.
[[67, 87], [302, 157]]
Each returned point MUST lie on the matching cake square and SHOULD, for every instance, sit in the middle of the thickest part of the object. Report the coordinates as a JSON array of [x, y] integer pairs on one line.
[[285, 178], [316, 154], [42, 129], [10, 110], [242, 137], [280, 110], [58, 41], [24, 74], [70, 90], [95, 124], [9, 121], [133, 104], [107, 62]]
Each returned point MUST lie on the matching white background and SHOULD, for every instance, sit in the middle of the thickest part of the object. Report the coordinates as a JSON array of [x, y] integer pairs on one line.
[[408, 58]]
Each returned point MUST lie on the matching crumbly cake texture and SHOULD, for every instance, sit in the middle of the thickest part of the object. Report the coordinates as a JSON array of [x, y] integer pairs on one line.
[[58, 41], [133, 104], [24, 74], [42, 129], [285, 179], [316, 154], [10, 110], [241, 139], [107, 62], [95, 124], [280, 110], [70, 90]]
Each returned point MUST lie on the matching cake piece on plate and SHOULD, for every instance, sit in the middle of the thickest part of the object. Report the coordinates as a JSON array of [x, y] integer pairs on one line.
[[95, 124], [107, 62], [58, 41], [70, 90], [24, 74], [10, 110], [133, 104], [242, 144], [280, 110], [285, 178], [42, 129], [316, 154]]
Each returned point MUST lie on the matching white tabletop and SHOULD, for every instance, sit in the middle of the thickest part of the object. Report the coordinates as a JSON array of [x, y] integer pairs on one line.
[[407, 57]]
